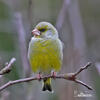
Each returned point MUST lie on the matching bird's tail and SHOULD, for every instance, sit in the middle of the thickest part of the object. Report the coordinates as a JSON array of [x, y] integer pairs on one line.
[[47, 85]]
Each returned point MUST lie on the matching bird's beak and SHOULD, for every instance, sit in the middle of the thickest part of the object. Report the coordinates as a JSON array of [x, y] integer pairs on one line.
[[35, 32]]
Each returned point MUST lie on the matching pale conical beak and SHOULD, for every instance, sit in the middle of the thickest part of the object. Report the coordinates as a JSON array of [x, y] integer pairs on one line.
[[36, 32]]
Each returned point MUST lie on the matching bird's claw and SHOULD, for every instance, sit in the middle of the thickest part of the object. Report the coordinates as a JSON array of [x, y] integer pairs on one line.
[[39, 76], [54, 74]]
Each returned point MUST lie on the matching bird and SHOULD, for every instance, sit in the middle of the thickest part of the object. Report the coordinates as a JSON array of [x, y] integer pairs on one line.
[[45, 52]]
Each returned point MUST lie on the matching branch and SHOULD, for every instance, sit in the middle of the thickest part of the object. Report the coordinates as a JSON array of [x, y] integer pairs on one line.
[[68, 76], [97, 65], [82, 68], [30, 14], [82, 83], [7, 68], [62, 14], [22, 42]]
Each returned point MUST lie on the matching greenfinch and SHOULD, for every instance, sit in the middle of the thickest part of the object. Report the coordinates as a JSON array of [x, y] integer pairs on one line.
[[45, 52]]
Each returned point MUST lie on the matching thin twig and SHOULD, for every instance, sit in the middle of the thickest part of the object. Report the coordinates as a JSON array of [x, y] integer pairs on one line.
[[82, 68], [68, 76], [82, 83], [7, 68]]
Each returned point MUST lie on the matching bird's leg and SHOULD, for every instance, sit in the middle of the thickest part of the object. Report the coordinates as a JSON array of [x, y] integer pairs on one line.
[[39, 76], [53, 73]]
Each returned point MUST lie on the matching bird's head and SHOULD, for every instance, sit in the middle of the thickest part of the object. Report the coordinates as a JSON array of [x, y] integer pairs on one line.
[[44, 30]]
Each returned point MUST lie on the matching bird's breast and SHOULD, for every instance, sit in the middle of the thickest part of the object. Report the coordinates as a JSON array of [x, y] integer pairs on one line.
[[44, 55]]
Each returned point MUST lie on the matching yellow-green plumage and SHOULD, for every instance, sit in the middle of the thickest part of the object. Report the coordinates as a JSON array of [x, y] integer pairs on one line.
[[45, 52], [45, 55]]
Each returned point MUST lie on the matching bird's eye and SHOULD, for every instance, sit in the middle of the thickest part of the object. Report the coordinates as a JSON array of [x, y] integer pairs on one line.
[[42, 30]]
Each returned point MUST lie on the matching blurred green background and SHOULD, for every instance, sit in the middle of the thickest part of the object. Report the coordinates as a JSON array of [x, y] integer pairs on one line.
[[78, 24]]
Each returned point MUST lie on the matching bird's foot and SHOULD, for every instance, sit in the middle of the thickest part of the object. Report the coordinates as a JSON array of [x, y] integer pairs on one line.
[[53, 74], [39, 76]]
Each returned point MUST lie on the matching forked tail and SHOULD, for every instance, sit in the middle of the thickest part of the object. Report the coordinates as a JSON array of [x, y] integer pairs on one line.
[[47, 85]]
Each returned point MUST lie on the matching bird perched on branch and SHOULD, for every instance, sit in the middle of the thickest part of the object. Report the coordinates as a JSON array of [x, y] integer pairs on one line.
[[45, 52]]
